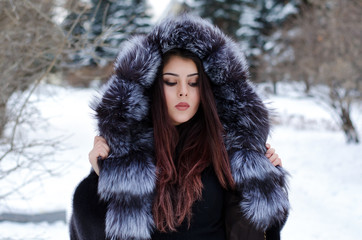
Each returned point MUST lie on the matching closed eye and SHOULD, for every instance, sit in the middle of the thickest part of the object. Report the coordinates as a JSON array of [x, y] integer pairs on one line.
[[169, 83], [194, 84]]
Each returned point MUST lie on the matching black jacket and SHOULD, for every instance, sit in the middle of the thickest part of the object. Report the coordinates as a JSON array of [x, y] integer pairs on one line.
[[89, 214], [126, 184]]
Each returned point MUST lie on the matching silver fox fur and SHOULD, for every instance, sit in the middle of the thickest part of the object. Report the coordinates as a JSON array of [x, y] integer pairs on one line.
[[127, 178]]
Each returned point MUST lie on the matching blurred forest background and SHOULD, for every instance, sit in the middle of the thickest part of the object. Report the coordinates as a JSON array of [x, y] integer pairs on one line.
[[316, 44]]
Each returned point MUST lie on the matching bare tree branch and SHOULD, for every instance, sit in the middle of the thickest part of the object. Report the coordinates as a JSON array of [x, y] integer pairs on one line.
[[31, 46], [327, 52]]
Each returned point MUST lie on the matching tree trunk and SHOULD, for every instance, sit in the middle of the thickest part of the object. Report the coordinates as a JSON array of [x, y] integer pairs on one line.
[[275, 91], [307, 84], [348, 128], [3, 118], [307, 88]]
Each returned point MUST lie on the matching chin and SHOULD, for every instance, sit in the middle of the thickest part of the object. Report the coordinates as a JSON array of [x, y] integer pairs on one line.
[[179, 121]]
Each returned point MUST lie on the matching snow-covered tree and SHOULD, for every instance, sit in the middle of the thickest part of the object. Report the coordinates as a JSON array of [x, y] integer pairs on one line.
[[225, 14], [139, 17], [262, 20], [253, 23], [108, 23]]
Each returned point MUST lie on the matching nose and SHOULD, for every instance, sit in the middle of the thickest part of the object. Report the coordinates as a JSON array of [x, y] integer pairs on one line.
[[183, 91]]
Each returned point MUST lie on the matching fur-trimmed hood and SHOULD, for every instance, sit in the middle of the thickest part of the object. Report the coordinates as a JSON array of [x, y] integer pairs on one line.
[[127, 177]]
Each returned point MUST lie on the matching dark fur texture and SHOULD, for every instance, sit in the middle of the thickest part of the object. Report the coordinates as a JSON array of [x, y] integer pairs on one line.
[[127, 178]]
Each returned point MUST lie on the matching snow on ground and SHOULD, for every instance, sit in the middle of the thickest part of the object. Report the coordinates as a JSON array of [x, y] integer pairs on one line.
[[325, 187], [69, 116], [325, 183]]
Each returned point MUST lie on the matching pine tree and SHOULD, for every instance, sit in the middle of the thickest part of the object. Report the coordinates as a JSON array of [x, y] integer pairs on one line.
[[261, 19], [139, 17], [78, 29], [260, 35], [127, 18], [224, 14], [251, 22], [107, 25]]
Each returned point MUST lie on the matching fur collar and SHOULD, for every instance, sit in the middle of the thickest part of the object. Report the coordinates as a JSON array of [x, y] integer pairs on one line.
[[127, 178]]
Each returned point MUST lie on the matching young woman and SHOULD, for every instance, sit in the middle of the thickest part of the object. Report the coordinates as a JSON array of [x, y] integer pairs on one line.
[[186, 135]]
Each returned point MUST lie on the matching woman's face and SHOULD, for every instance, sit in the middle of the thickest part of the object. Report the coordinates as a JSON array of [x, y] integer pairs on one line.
[[181, 88]]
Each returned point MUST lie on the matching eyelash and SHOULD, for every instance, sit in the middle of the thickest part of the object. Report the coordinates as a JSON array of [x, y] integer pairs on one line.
[[170, 83], [194, 84], [191, 84]]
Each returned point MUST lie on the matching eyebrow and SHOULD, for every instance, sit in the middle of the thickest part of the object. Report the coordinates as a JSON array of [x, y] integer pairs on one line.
[[176, 75]]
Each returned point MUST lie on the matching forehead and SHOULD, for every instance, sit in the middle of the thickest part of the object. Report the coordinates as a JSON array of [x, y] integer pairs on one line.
[[177, 64]]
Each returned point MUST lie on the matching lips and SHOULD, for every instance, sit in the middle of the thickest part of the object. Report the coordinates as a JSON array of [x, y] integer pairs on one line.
[[182, 106]]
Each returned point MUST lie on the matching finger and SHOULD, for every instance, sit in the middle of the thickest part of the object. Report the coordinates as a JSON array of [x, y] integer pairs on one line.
[[277, 162], [106, 148], [269, 152], [98, 139], [102, 139], [102, 148], [95, 152], [273, 157], [267, 146], [101, 145], [103, 154]]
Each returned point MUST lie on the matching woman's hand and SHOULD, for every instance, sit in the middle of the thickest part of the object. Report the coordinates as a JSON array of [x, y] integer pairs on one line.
[[100, 149], [273, 157]]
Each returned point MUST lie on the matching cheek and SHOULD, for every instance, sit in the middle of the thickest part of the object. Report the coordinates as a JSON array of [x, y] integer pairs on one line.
[[168, 95], [197, 97]]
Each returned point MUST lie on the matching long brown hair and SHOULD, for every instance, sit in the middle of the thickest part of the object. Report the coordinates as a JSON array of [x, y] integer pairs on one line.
[[182, 153]]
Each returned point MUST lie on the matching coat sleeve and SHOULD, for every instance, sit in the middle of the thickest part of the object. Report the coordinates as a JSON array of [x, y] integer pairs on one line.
[[88, 217], [238, 227]]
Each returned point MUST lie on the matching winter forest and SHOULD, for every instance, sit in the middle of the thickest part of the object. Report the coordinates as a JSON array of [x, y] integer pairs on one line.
[[304, 58]]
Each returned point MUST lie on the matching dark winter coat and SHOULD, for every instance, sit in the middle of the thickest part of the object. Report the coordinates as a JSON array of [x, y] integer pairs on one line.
[[119, 203]]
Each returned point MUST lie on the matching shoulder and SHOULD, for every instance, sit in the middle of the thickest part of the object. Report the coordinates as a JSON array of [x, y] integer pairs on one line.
[[86, 188]]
